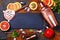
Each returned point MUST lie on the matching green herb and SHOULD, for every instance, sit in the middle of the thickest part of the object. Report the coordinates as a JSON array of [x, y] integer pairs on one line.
[[15, 34], [58, 11], [57, 7]]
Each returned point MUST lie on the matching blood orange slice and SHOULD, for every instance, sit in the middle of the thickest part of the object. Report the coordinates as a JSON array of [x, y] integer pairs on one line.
[[4, 26], [46, 2], [0, 24]]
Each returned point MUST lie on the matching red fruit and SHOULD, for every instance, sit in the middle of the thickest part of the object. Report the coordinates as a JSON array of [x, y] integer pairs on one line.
[[4, 25], [49, 33]]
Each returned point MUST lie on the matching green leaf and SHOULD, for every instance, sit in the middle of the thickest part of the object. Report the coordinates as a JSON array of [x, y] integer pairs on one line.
[[59, 11], [15, 34], [57, 7]]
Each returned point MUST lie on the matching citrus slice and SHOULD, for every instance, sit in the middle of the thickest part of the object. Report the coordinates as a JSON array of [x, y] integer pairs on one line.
[[33, 5], [18, 5], [14, 6], [0, 24], [4, 26], [54, 4], [11, 6], [51, 3], [46, 2]]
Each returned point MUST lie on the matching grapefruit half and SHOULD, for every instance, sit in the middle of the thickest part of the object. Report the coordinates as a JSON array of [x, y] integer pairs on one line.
[[4, 26]]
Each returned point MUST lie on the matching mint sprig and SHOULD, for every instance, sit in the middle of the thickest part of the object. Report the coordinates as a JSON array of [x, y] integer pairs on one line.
[[14, 34], [58, 11], [57, 7]]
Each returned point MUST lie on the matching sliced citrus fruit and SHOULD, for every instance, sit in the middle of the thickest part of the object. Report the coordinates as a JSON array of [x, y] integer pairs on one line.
[[54, 4], [11, 6], [0, 24], [18, 5], [4, 26], [51, 3], [14, 6], [46, 2], [33, 5]]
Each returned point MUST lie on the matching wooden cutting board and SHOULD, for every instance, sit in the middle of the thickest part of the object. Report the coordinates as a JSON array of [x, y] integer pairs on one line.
[[36, 11]]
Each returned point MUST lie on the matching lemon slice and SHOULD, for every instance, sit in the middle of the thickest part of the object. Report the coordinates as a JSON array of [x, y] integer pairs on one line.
[[33, 5], [18, 5]]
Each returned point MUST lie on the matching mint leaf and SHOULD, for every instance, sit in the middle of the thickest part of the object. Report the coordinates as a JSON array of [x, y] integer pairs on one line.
[[57, 7], [58, 11], [15, 34]]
